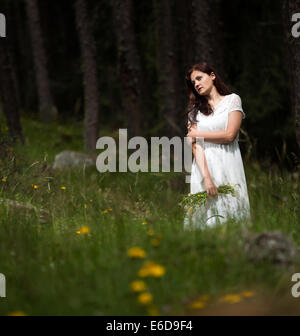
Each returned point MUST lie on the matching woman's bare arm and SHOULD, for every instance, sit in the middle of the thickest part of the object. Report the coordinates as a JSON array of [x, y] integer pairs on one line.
[[200, 158], [221, 137]]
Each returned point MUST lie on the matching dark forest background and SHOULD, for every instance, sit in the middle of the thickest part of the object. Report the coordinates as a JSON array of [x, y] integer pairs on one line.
[[116, 64]]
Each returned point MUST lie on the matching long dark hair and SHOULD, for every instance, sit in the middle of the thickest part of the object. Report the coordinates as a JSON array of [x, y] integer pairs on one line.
[[196, 101]]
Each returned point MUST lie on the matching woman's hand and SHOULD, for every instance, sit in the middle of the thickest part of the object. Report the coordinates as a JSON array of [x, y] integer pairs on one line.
[[210, 187], [193, 133]]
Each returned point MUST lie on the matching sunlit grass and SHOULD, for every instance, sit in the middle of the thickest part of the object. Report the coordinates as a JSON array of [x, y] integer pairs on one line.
[[78, 261]]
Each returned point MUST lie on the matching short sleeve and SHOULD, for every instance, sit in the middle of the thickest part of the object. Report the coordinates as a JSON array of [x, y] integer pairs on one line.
[[236, 105]]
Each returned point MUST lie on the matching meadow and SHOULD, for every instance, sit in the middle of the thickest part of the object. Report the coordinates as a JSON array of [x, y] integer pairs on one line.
[[114, 244]]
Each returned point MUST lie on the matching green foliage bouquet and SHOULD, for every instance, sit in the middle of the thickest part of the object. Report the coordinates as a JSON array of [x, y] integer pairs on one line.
[[201, 197]]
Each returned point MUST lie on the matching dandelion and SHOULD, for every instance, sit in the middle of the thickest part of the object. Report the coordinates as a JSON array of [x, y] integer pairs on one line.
[[155, 242], [144, 223], [136, 252], [104, 211], [109, 209], [150, 268], [83, 230], [197, 304], [231, 298], [91, 200], [35, 186], [17, 313], [63, 188], [85, 206], [3, 179], [145, 298], [138, 286], [248, 293], [152, 311], [150, 233]]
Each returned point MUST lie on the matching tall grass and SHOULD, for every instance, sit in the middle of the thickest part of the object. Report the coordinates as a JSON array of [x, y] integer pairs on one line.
[[50, 269]]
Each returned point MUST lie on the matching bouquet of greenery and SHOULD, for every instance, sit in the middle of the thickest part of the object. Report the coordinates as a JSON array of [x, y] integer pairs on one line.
[[201, 197]]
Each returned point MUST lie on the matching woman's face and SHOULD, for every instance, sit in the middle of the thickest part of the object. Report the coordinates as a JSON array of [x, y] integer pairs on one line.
[[203, 83]]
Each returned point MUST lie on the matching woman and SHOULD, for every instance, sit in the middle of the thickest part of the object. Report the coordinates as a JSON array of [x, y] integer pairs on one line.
[[214, 118]]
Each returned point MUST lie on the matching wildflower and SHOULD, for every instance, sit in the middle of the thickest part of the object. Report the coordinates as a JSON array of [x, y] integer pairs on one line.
[[91, 200], [231, 298], [3, 179], [83, 230], [197, 304], [85, 206], [109, 209], [150, 233], [247, 293], [155, 242], [104, 211], [63, 188], [138, 286], [35, 186], [136, 252], [152, 311], [145, 298], [144, 223], [150, 268], [17, 313]]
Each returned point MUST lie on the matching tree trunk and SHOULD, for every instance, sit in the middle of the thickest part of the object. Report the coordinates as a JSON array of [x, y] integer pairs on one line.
[[47, 108], [167, 67], [8, 93], [289, 8], [89, 67], [207, 33], [129, 64]]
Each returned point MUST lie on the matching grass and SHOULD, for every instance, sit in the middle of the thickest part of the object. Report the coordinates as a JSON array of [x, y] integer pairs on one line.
[[50, 269]]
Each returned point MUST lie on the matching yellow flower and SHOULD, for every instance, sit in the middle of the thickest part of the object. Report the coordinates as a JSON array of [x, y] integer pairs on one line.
[[150, 233], [157, 271], [17, 313], [204, 297], [136, 252], [231, 298], [63, 188], [155, 242], [190, 209], [150, 268], [197, 304], [248, 293], [83, 230], [138, 286], [85, 206], [144, 223], [105, 211], [91, 200], [109, 209], [35, 186], [152, 311], [4, 179], [145, 298]]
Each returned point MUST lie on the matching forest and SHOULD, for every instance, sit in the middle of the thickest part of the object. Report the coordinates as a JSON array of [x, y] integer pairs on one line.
[[74, 71]]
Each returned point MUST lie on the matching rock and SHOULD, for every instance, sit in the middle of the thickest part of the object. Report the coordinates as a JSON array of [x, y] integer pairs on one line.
[[28, 209], [69, 159], [274, 247]]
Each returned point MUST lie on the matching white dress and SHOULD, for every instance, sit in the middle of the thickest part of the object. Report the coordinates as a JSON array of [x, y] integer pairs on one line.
[[225, 166]]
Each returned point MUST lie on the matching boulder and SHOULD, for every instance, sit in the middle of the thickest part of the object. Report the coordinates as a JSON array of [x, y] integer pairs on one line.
[[274, 247], [69, 159]]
